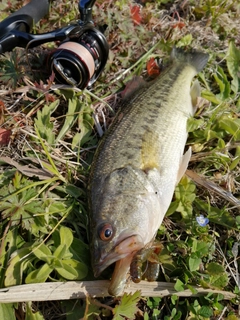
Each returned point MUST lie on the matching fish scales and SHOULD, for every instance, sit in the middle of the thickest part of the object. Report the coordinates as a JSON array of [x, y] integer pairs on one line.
[[135, 120], [144, 125], [138, 164]]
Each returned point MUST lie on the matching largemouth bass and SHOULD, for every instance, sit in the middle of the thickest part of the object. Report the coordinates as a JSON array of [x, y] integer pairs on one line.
[[137, 165]]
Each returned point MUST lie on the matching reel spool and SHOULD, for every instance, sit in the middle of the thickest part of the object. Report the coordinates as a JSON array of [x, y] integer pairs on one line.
[[80, 61]]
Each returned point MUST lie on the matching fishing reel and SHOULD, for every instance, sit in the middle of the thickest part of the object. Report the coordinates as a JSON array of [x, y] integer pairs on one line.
[[82, 53], [80, 59]]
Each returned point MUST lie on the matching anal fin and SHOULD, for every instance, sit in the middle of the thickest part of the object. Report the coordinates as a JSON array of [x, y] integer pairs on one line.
[[184, 164]]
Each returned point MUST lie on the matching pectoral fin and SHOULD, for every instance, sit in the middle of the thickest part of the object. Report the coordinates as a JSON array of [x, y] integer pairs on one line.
[[184, 164], [133, 87], [195, 92]]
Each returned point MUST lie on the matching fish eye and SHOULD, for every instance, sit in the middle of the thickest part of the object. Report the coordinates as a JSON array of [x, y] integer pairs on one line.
[[106, 232]]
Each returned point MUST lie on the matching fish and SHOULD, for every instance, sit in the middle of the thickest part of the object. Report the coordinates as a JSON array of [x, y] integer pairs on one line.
[[138, 164]]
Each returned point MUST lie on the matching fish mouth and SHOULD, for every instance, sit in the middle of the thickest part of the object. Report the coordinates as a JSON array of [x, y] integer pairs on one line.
[[121, 251]]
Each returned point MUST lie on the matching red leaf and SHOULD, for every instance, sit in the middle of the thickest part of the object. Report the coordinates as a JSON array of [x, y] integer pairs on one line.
[[152, 67], [179, 25], [5, 135], [135, 13]]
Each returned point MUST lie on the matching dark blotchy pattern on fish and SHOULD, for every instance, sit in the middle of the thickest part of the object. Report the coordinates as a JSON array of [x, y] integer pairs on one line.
[[137, 165]]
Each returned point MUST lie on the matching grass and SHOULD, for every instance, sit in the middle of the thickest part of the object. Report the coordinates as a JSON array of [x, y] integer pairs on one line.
[[48, 138]]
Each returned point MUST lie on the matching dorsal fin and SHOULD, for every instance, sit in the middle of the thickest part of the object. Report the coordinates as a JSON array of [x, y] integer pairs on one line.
[[195, 58]]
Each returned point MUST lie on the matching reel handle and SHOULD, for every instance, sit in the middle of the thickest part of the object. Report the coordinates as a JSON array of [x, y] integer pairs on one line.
[[31, 12], [21, 21], [85, 9], [35, 9]]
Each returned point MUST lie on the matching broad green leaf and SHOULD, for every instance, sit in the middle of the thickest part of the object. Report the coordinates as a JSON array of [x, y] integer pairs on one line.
[[43, 253], [179, 286], [178, 315], [205, 312], [233, 64], [15, 268], [173, 313], [185, 195], [219, 281], [222, 217], [238, 220], [200, 248], [194, 263], [194, 307], [223, 83], [44, 124], [56, 207], [235, 84], [146, 316], [232, 126], [185, 40], [214, 268], [66, 236], [39, 275], [127, 306], [234, 163], [9, 244], [30, 315], [210, 97], [79, 136], [7, 311], [72, 269], [74, 106], [74, 191], [172, 208], [66, 270], [85, 125], [155, 313], [194, 124], [153, 302], [62, 252]]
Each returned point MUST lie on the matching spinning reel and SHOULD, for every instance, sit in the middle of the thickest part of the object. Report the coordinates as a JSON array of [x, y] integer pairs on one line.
[[82, 54]]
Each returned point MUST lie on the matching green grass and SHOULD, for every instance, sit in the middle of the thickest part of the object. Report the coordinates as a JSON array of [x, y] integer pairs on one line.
[[44, 166]]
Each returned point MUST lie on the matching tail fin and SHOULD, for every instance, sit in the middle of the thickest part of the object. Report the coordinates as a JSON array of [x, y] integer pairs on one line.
[[195, 58]]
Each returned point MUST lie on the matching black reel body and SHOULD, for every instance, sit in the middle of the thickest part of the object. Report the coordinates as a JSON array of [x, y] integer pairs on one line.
[[80, 60]]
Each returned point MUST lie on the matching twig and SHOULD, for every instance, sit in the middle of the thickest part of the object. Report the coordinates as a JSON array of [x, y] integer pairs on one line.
[[213, 187], [222, 314], [97, 125], [77, 290], [235, 255], [16, 102], [230, 269]]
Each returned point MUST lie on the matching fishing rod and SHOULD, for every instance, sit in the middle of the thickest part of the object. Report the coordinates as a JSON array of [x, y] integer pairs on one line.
[[82, 53]]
